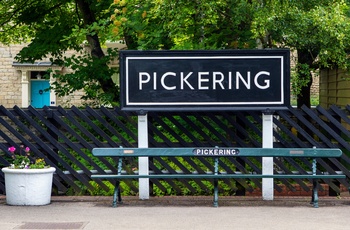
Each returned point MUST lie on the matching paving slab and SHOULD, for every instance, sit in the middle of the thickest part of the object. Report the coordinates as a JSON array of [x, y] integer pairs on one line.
[[174, 212]]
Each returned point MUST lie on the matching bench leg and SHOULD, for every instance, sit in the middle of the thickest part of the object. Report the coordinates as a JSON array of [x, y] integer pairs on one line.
[[216, 183], [314, 198], [216, 193], [117, 195]]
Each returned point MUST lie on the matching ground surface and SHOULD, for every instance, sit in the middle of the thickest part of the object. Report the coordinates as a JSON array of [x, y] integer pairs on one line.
[[177, 213]]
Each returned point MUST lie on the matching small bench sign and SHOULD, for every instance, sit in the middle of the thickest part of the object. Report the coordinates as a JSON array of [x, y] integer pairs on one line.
[[204, 80], [215, 152]]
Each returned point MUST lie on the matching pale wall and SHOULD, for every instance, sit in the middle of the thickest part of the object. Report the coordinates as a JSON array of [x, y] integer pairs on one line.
[[11, 80], [334, 88]]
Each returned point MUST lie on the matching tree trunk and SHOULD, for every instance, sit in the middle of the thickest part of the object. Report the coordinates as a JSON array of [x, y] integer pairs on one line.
[[305, 57], [303, 98], [107, 84]]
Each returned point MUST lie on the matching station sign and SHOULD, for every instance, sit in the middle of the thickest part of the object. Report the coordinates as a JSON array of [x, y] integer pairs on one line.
[[205, 80]]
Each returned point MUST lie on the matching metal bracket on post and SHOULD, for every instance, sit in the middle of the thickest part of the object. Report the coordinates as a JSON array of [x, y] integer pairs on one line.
[[143, 161], [267, 162]]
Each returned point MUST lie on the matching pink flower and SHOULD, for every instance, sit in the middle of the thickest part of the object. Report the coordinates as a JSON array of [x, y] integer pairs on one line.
[[27, 149], [12, 149]]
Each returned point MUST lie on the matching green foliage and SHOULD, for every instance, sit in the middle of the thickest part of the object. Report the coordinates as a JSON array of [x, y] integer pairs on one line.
[[23, 159], [184, 24], [54, 27], [88, 71], [201, 129], [21, 162], [297, 81], [98, 191], [317, 30], [11, 29]]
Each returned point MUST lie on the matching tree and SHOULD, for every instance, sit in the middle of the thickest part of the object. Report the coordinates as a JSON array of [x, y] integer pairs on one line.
[[54, 26], [317, 30], [183, 24]]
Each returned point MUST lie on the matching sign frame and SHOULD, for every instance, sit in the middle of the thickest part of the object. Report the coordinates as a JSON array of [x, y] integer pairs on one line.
[[277, 61]]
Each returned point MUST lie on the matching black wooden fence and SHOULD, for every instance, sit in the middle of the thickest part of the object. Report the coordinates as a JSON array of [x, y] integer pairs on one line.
[[65, 138]]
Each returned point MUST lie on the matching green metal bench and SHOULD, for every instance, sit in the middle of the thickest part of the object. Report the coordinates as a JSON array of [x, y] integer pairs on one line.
[[216, 153]]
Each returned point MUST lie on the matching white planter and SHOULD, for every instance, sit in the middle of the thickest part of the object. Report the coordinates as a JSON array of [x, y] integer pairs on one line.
[[28, 186]]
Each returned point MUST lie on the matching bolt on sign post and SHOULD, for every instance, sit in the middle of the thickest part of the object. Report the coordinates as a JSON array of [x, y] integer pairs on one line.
[[205, 80]]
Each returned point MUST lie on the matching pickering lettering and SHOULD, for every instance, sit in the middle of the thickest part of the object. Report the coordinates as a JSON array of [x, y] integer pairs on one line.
[[204, 80], [216, 152]]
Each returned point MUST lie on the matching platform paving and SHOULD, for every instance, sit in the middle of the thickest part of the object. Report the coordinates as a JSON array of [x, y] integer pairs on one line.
[[95, 212]]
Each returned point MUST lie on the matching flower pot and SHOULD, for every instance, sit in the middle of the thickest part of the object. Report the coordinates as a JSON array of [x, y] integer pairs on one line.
[[28, 186]]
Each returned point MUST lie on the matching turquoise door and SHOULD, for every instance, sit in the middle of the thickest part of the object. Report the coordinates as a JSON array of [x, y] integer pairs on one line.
[[40, 97]]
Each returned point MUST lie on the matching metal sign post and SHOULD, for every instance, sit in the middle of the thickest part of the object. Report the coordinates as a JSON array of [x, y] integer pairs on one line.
[[143, 161], [267, 162]]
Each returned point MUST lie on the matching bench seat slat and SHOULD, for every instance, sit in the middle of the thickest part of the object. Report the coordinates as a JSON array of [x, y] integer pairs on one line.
[[214, 152]]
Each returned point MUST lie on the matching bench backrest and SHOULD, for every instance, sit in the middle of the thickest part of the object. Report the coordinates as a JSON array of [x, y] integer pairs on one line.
[[215, 152]]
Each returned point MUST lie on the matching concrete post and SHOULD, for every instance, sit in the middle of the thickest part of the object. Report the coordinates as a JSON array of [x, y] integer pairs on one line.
[[267, 162], [143, 161]]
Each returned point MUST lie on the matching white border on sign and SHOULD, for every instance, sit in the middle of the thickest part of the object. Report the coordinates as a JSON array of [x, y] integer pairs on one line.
[[127, 101]]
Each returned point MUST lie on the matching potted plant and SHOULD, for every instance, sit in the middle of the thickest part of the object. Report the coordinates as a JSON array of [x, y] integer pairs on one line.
[[27, 181]]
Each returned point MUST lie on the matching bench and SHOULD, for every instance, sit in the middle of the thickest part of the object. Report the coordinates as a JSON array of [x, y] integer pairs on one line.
[[216, 175]]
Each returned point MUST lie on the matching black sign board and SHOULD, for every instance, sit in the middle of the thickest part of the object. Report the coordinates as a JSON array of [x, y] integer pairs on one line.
[[205, 80]]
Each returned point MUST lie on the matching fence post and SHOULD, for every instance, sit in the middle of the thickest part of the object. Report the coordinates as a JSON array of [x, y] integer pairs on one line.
[[267, 162], [143, 161]]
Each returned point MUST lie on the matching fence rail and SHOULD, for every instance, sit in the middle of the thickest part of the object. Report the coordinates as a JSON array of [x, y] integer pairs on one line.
[[65, 138]]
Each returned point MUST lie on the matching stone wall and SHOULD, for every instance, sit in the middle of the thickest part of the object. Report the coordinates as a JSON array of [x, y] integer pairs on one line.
[[10, 79], [315, 85]]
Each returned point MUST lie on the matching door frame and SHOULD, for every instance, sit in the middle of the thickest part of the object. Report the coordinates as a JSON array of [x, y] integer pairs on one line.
[[25, 70]]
